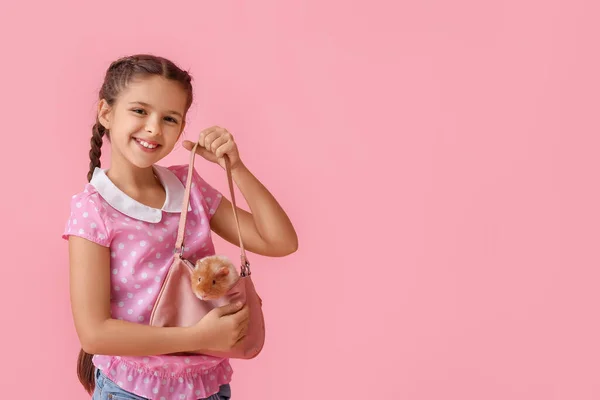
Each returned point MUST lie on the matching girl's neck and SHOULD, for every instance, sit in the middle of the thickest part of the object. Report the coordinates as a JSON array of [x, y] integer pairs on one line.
[[141, 184], [125, 175]]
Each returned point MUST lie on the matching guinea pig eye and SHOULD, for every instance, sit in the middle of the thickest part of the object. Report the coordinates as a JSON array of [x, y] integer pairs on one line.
[[199, 279], [214, 282]]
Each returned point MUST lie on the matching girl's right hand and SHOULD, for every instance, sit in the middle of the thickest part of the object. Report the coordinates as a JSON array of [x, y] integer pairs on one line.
[[222, 328]]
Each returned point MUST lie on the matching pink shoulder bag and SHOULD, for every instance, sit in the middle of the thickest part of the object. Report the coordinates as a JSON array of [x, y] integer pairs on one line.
[[177, 305]]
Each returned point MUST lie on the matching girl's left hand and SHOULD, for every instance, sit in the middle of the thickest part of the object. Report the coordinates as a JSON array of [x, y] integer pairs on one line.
[[213, 144]]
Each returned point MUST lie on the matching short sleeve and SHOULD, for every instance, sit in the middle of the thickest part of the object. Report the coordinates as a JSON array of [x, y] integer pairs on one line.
[[87, 219], [209, 196]]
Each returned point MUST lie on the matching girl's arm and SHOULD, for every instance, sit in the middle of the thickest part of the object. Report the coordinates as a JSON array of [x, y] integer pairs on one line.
[[267, 230], [100, 334], [90, 301]]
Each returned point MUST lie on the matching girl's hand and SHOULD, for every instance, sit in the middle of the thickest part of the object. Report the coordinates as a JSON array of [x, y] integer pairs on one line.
[[222, 328], [213, 144]]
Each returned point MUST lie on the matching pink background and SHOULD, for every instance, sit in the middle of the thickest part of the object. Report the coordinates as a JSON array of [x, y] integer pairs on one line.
[[439, 161]]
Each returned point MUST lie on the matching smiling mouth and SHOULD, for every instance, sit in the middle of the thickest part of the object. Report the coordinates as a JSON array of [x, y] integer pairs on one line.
[[146, 145]]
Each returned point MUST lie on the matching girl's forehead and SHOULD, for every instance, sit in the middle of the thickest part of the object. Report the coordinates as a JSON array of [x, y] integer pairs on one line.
[[157, 92]]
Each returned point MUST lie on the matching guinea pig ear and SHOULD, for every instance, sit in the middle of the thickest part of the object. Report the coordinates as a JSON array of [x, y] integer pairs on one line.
[[224, 271]]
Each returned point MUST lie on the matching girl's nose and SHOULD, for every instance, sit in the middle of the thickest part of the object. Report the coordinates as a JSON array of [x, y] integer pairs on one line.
[[153, 126], [153, 129]]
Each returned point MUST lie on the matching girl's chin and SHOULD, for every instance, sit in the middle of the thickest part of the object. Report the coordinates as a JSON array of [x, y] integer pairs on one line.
[[143, 159]]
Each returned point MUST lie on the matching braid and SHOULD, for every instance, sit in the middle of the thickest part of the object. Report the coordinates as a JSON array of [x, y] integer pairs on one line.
[[98, 132], [118, 76]]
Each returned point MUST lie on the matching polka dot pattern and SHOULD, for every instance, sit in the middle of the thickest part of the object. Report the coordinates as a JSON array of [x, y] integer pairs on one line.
[[141, 254]]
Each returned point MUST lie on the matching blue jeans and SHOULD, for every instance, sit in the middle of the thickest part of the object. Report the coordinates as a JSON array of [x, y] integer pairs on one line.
[[108, 390]]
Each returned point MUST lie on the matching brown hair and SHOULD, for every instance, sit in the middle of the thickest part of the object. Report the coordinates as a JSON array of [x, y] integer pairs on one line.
[[119, 74]]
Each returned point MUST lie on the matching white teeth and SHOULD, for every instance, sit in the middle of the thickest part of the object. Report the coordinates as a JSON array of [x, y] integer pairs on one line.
[[146, 144]]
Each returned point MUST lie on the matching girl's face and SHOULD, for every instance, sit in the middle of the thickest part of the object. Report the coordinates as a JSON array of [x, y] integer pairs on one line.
[[146, 120]]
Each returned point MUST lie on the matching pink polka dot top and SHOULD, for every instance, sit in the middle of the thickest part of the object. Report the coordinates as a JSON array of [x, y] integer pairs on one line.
[[142, 243]]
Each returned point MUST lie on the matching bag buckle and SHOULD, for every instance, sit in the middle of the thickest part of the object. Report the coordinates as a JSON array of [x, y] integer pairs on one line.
[[245, 268]]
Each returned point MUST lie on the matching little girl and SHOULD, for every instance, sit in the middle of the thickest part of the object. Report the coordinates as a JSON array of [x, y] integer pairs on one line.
[[122, 230]]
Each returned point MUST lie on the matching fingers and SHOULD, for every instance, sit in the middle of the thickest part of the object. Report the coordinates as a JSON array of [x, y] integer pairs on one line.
[[242, 317], [200, 150], [216, 140], [241, 335], [243, 329], [232, 308], [243, 314], [239, 321], [206, 133], [243, 325], [239, 339], [217, 145], [208, 138], [243, 322], [223, 149], [187, 144]]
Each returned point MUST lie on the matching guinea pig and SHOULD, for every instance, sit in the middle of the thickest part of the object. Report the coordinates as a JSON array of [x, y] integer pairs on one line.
[[213, 276]]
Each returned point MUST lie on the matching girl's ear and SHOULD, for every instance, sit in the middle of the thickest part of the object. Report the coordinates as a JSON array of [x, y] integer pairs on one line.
[[104, 113]]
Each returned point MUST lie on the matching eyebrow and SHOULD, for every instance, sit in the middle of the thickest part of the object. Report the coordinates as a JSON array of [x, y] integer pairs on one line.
[[148, 105]]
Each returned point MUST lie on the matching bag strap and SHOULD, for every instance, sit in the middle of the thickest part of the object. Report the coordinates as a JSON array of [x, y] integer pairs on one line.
[[179, 246]]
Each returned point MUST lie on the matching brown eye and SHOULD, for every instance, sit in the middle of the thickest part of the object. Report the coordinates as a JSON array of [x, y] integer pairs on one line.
[[214, 282], [199, 279]]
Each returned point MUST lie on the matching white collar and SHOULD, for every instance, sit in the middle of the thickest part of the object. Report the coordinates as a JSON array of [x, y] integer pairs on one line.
[[120, 201]]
